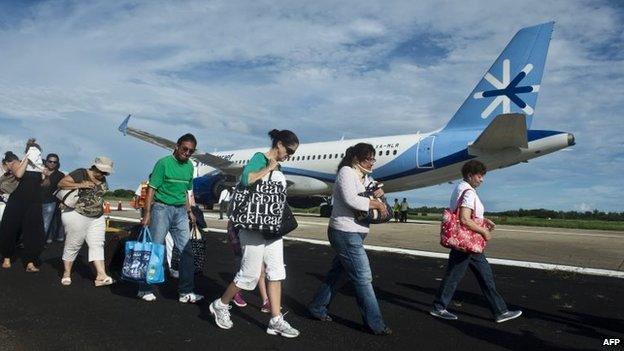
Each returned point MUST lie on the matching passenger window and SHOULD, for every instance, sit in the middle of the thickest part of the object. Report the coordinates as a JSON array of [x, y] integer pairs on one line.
[[341, 155], [324, 157], [394, 152], [380, 153], [313, 157], [387, 152], [330, 156]]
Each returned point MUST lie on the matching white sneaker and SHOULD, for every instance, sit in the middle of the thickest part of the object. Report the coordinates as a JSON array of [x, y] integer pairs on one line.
[[278, 326], [221, 314], [190, 298], [146, 296]]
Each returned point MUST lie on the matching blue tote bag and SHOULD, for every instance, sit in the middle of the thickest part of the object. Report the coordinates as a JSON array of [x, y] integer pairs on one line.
[[144, 260]]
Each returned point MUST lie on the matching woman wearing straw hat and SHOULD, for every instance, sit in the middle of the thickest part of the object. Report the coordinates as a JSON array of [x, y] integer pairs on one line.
[[85, 222]]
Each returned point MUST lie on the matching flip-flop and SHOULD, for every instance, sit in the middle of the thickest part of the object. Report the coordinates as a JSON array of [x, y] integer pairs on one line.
[[103, 282], [66, 281], [32, 269]]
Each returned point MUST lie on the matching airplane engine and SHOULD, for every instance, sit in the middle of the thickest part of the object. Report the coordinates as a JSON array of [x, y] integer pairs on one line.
[[208, 187], [305, 201]]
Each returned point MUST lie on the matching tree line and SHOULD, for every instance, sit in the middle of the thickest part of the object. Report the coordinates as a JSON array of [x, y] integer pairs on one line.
[[424, 210], [538, 213]]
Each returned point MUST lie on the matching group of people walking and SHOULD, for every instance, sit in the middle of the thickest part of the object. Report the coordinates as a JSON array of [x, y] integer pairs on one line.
[[30, 210], [261, 260]]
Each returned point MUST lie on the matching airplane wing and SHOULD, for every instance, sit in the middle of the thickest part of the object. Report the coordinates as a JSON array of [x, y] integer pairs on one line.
[[205, 158], [504, 132]]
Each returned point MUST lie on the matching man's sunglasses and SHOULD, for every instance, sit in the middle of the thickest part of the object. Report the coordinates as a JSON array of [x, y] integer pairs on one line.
[[186, 150]]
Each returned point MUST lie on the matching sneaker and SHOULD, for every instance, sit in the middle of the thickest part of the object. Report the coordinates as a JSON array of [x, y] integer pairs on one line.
[[506, 316], [238, 300], [278, 326], [221, 314], [266, 307], [385, 331], [190, 298], [320, 317], [444, 314], [146, 296]]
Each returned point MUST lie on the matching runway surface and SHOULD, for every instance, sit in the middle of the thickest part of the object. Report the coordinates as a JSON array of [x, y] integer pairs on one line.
[[596, 249], [562, 311]]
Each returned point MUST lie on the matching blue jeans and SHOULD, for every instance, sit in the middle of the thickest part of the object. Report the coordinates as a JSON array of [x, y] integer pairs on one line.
[[350, 259], [49, 219], [173, 219], [456, 269]]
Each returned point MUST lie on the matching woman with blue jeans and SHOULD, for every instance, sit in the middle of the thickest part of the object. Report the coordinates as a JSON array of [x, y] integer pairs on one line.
[[346, 235], [465, 197]]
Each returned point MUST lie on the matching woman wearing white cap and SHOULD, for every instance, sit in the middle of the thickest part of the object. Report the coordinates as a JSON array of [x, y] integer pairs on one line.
[[85, 222]]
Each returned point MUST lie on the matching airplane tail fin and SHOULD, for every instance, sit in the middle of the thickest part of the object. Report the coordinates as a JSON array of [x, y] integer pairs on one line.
[[511, 85]]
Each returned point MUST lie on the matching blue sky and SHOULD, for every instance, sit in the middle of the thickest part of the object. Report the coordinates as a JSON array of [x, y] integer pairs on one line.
[[229, 71]]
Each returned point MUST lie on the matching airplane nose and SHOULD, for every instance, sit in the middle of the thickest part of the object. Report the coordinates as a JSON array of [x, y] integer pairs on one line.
[[571, 139]]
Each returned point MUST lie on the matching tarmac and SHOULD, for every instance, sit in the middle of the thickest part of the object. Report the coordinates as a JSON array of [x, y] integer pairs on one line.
[[562, 310], [595, 249]]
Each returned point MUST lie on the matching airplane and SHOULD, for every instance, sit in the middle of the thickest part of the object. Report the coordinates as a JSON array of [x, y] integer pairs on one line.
[[492, 125]]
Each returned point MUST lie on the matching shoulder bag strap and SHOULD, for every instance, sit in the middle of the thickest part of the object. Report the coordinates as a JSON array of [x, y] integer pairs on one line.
[[459, 201]]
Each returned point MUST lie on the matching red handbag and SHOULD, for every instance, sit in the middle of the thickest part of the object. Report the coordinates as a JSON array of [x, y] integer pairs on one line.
[[454, 235]]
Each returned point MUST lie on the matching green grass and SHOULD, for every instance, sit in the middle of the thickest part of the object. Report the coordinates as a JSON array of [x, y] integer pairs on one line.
[[561, 223], [520, 221], [540, 222]]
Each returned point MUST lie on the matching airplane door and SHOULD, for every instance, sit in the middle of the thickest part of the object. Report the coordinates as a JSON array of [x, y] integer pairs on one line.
[[424, 154]]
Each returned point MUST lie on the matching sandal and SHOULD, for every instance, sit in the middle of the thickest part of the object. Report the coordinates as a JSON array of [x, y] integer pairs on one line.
[[103, 282], [66, 281], [32, 269]]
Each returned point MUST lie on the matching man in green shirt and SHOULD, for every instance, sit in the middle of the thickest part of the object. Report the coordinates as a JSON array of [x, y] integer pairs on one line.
[[168, 209]]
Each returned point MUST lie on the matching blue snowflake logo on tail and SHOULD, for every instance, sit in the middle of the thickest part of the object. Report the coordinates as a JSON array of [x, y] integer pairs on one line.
[[507, 91]]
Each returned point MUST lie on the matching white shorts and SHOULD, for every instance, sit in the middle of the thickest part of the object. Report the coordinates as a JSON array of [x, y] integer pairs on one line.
[[256, 251]]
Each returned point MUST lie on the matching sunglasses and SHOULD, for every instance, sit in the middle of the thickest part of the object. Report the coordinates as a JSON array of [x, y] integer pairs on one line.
[[186, 150], [289, 151]]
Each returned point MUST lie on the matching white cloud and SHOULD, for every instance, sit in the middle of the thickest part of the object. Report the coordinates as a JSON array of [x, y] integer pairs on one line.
[[230, 70]]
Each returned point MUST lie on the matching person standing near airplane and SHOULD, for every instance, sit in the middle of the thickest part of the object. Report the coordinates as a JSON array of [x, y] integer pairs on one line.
[[404, 208], [224, 201], [168, 209], [8, 181], [396, 209], [50, 203], [85, 221], [347, 235], [257, 250], [473, 173], [23, 214]]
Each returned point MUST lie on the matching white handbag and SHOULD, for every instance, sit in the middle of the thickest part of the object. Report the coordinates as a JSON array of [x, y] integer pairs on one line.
[[68, 197]]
